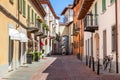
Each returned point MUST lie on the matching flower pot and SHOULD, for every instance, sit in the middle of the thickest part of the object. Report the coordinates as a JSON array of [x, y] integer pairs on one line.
[[36, 57], [29, 58]]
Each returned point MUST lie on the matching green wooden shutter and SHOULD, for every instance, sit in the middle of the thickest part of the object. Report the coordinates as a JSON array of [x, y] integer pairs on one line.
[[32, 16], [111, 1], [96, 19], [103, 5], [20, 6], [24, 8], [95, 8], [35, 18], [28, 13]]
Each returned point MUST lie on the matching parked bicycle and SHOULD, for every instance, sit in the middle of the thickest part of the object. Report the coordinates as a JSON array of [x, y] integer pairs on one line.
[[107, 61]]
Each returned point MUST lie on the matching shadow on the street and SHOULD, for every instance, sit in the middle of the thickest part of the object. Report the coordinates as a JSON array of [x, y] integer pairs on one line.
[[56, 70]]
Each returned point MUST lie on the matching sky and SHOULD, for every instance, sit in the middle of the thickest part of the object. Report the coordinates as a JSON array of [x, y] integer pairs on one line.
[[59, 5]]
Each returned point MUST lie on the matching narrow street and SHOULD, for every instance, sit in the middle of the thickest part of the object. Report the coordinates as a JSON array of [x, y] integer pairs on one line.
[[57, 68]]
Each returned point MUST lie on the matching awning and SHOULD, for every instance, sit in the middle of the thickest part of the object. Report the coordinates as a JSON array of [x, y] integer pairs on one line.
[[23, 37], [14, 34]]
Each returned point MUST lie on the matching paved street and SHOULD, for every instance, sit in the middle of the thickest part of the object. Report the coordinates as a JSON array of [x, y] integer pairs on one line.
[[57, 68]]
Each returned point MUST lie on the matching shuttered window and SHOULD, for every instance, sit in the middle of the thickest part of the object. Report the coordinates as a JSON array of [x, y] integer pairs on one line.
[[103, 5], [32, 16], [35, 19], [24, 8], [96, 19], [28, 13], [20, 6], [112, 1]]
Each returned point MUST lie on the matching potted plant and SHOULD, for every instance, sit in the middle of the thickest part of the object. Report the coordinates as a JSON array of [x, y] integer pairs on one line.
[[39, 55], [36, 57], [29, 56]]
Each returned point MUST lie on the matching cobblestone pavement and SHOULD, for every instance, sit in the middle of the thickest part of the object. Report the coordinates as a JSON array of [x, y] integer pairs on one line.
[[58, 68]]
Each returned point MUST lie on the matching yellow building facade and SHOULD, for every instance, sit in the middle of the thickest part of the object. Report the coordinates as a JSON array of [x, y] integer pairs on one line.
[[17, 18]]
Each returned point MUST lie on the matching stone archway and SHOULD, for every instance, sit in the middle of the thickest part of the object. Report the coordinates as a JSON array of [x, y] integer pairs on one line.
[[96, 38]]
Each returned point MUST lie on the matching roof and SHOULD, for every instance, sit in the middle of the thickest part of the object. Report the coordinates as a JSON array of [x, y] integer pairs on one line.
[[50, 6], [66, 8], [85, 8], [39, 7]]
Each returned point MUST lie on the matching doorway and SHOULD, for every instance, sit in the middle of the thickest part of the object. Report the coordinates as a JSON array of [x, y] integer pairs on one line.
[[104, 44], [10, 55], [97, 46]]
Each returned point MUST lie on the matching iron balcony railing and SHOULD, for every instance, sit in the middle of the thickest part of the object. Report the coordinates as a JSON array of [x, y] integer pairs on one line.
[[91, 22]]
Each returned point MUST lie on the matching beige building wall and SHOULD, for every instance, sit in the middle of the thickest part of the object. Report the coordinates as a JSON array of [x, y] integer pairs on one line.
[[64, 30], [5, 21], [70, 38]]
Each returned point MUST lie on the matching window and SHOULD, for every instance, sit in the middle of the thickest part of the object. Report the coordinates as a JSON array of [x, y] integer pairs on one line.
[[95, 8], [28, 13], [24, 8], [112, 1], [35, 19], [96, 20], [32, 16], [20, 6], [113, 39], [11, 1], [103, 5]]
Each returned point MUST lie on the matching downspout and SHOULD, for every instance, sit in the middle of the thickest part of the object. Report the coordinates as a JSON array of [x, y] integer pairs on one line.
[[116, 27], [79, 47]]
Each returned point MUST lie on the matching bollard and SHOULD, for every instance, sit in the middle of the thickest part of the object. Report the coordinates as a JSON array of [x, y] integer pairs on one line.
[[90, 62], [86, 60], [93, 64], [98, 69]]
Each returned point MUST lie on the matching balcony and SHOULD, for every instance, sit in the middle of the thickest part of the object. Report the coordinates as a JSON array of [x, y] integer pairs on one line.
[[31, 27], [91, 22]]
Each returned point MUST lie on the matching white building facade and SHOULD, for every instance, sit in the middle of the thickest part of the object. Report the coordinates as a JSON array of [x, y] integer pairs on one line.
[[52, 21], [102, 42]]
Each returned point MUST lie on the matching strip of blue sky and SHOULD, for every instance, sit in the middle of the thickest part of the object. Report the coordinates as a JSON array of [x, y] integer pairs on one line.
[[59, 5]]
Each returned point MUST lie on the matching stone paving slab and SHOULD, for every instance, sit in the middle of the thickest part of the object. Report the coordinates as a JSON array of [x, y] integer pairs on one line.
[[58, 68]]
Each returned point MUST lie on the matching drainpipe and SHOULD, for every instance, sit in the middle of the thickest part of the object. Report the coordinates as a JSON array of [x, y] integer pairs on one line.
[[79, 47], [116, 27], [92, 58]]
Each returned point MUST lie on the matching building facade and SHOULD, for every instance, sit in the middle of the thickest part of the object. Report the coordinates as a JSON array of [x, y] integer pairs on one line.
[[17, 19], [78, 30], [101, 26], [52, 21], [68, 24]]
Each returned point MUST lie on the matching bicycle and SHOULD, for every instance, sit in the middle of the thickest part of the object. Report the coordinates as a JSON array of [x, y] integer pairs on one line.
[[107, 61]]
